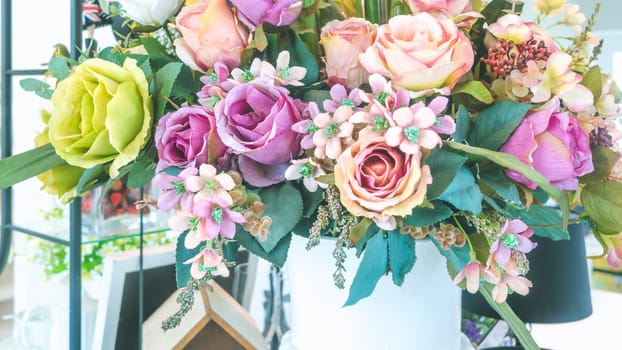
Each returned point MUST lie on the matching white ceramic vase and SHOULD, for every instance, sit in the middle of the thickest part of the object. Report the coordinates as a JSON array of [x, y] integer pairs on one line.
[[423, 314]]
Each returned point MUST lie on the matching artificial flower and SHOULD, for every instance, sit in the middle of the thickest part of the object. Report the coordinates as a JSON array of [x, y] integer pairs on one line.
[[419, 52], [277, 13], [207, 260], [102, 112], [553, 143], [150, 12], [210, 34]]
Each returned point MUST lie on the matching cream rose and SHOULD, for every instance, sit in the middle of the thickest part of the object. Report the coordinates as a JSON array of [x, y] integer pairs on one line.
[[419, 52], [343, 41]]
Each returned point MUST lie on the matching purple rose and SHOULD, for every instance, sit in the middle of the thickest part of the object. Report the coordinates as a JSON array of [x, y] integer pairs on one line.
[[554, 144], [187, 137], [278, 13], [256, 123]]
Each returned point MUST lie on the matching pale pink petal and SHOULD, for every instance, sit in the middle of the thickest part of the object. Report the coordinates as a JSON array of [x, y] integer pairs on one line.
[[403, 117], [429, 139], [194, 184], [519, 284], [516, 226], [393, 136], [207, 171], [425, 118], [500, 292], [196, 272], [225, 181], [333, 147], [192, 240]]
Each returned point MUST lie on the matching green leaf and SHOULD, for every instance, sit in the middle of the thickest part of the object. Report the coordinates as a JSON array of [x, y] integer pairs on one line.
[[284, 205], [464, 124], [373, 266], [153, 46], [310, 200], [362, 243], [510, 162], [518, 327], [401, 255], [182, 254], [302, 57], [443, 165], [501, 184], [276, 256], [458, 257], [26, 165], [358, 232], [474, 88], [42, 89], [463, 193], [164, 79], [593, 81], [424, 216], [544, 221], [603, 204], [141, 173], [496, 123], [58, 67], [86, 181], [603, 159], [317, 96]]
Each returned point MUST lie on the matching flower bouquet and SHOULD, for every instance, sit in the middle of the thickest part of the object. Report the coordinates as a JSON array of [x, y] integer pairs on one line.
[[377, 122]]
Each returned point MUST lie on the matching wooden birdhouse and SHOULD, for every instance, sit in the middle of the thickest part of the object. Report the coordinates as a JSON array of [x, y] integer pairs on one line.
[[215, 322]]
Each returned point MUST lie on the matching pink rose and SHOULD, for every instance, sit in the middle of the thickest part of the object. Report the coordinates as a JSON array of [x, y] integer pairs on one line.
[[378, 181], [187, 137], [451, 8], [256, 122], [419, 52], [554, 144], [210, 33], [278, 13], [343, 41]]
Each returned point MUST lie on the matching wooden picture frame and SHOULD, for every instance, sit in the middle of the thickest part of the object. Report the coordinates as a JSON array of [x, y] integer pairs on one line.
[[116, 325]]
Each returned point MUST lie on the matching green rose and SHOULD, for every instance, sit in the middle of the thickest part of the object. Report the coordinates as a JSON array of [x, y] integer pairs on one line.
[[102, 113]]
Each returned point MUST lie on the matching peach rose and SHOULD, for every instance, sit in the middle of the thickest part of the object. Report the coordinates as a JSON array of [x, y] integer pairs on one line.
[[343, 41], [378, 181], [419, 52], [210, 33]]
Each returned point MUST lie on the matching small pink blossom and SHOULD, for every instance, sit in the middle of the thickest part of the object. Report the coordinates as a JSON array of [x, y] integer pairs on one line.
[[331, 131], [305, 126], [207, 260], [411, 130], [339, 96], [283, 74], [472, 272], [517, 284], [217, 218], [210, 185], [513, 236], [308, 170], [175, 191]]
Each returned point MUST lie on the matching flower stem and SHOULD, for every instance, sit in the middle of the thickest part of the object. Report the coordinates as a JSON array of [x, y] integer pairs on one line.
[[506, 312], [372, 11]]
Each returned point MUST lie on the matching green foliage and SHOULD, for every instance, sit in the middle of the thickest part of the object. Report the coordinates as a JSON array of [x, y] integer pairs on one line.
[[593, 80], [510, 162], [284, 205], [464, 124], [496, 123], [463, 193], [603, 203], [142, 172], [457, 257], [603, 159], [496, 180], [28, 164], [374, 265], [423, 216], [544, 221], [476, 89], [276, 256], [41, 88], [401, 255], [164, 80], [444, 165], [59, 67]]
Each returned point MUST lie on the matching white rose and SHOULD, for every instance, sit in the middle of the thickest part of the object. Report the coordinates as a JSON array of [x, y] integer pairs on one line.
[[149, 12]]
